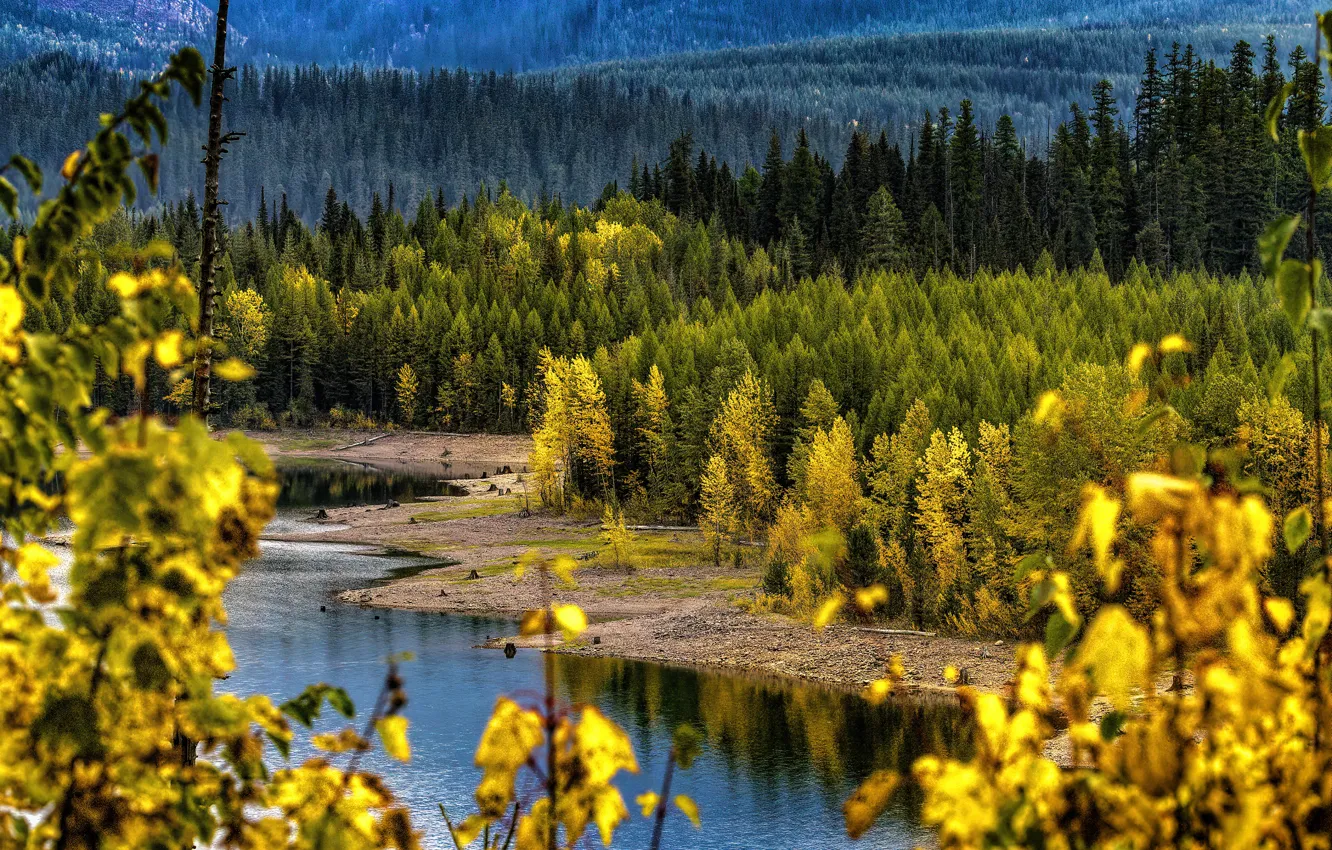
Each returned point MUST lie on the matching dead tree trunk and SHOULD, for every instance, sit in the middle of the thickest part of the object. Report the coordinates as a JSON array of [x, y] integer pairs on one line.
[[213, 151]]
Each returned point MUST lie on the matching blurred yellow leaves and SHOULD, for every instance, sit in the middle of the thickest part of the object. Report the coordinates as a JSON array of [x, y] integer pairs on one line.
[[1115, 652], [828, 610], [393, 732], [648, 802], [869, 801], [11, 324], [234, 370], [690, 809]]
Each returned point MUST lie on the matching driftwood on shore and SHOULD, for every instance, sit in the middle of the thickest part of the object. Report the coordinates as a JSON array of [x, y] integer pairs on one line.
[[362, 443], [907, 632]]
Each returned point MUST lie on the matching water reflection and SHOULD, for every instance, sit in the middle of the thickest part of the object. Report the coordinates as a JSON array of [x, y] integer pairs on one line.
[[779, 757], [777, 732], [321, 483]]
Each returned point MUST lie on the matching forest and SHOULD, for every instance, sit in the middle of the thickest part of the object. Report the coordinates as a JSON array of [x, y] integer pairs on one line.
[[921, 304], [913, 385], [911, 343], [509, 35]]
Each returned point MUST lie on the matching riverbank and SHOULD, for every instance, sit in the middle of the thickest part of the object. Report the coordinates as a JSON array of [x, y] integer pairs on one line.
[[666, 602]]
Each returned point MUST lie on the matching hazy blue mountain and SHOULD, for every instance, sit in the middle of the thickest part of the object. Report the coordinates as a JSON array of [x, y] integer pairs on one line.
[[530, 34]]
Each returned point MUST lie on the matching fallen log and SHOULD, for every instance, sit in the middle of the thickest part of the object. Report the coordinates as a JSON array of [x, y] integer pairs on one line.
[[362, 443], [905, 632]]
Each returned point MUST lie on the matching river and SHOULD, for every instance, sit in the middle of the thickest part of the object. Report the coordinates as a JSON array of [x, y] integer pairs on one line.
[[779, 757]]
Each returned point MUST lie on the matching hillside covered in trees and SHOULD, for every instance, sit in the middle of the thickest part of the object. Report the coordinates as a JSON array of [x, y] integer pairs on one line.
[[523, 35], [359, 131]]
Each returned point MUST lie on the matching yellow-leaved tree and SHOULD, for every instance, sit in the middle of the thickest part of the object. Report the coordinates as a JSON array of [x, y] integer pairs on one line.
[[716, 514], [572, 442], [740, 437], [1237, 750], [407, 389], [107, 686]]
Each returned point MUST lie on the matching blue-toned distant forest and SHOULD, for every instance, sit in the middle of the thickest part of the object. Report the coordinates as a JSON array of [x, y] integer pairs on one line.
[[527, 34]]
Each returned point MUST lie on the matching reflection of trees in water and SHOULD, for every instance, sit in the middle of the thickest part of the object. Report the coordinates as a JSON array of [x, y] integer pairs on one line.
[[778, 731], [336, 483]]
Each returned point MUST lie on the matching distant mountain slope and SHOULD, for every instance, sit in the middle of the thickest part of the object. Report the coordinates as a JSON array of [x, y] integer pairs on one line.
[[530, 34], [572, 132]]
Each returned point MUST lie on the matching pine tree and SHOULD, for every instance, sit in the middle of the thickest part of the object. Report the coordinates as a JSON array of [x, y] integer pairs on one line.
[[768, 226], [883, 237]]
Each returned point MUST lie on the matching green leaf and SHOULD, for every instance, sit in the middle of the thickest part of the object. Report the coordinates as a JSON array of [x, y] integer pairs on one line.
[[282, 744], [1059, 633], [1035, 562], [1272, 244], [1320, 319], [150, 671], [1292, 285], [1316, 147], [1281, 374], [1112, 725], [32, 175], [1297, 528], [1272, 116], [8, 198], [341, 703]]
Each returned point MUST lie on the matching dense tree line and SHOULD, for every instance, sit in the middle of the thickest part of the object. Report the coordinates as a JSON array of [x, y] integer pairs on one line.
[[1183, 175], [523, 34], [661, 321], [358, 130]]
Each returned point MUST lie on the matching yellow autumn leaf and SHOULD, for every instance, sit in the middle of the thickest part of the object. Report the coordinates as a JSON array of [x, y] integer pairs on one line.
[[648, 802], [690, 809], [869, 598], [70, 165], [1280, 611], [1049, 409], [951, 674], [167, 349], [563, 568], [469, 830], [828, 610], [1152, 495], [1136, 357], [509, 737], [1174, 344], [233, 369], [1096, 526], [1115, 653], [11, 324], [863, 807], [534, 622], [341, 741], [132, 361], [877, 691], [570, 620], [125, 285], [393, 732]]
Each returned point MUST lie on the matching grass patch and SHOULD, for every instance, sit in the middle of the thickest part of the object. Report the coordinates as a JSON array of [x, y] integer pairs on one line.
[[306, 444], [468, 510], [677, 588]]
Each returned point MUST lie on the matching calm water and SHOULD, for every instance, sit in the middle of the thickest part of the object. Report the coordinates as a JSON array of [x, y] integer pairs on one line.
[[779, 758]]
